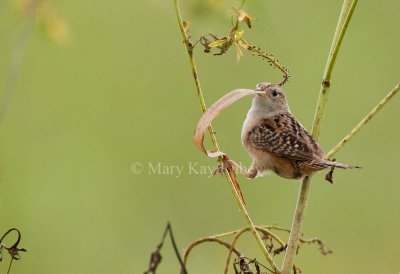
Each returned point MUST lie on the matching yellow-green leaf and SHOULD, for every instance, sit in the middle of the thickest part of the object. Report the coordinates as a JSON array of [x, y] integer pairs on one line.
[[217, 43], [238, 35], [243, 43], [239, 52]]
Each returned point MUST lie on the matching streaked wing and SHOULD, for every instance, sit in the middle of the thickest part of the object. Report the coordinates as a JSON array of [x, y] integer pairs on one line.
[[284, 136]]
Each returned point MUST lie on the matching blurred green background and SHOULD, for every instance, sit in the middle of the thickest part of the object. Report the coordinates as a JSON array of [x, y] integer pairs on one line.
[[120, 92]]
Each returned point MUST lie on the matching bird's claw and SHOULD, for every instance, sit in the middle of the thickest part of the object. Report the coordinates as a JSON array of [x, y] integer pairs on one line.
[[218, 170], [221, 167]]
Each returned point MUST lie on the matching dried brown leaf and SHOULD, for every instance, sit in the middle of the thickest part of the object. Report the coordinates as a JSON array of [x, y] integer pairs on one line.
[[244, 17], [213, 112]]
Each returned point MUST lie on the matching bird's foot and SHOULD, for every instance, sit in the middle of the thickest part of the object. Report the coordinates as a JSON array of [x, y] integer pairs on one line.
[[222, 166], [230, 164], [219, 170], [250, 173]]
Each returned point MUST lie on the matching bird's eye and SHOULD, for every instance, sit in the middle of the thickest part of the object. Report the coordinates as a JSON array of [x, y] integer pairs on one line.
[[274, 93]]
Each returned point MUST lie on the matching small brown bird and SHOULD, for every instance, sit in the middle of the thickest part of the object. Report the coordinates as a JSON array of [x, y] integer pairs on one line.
[[276, 141]]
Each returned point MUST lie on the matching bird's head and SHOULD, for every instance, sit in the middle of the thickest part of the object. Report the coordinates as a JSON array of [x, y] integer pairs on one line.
[[271, 98]]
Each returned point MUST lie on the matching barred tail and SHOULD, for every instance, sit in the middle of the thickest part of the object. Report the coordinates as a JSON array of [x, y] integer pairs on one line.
[[327, 163]]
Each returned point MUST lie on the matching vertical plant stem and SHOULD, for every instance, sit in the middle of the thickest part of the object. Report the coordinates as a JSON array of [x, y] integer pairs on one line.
[[344, 20], [229, 174], [295, 234], [9, 266], [294, 238]]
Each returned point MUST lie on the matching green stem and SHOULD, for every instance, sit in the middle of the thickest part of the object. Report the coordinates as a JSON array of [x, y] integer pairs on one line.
[[294, 238], [344, 19], [9, 266], [363, 122], [295, 234], [229, 176]]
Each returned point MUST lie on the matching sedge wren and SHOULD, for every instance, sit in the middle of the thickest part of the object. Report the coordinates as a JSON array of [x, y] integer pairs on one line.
[[276, 141]]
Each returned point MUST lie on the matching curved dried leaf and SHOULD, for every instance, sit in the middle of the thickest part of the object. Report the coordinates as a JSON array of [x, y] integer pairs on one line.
[[213, 112]]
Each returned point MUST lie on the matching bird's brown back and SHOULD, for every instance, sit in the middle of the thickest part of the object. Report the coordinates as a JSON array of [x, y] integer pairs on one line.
[[284, 136]]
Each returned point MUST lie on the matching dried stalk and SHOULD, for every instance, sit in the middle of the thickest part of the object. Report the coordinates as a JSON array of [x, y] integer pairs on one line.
[[205, 240], [239, 233], [229, 173], [269, 57], [10, 265]]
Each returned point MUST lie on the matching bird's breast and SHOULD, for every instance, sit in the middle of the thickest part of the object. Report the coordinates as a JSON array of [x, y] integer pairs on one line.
[[265, 161]]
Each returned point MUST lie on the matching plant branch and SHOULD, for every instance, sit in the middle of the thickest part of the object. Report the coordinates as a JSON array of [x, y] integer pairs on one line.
[[155, 257], [229, 173], [239, 233], [9, 266], [205, 240], [363, 122], [294, 238], [178, 256], [344, 20], [295, 234], [270, 227], [269, 57], [268, 235]]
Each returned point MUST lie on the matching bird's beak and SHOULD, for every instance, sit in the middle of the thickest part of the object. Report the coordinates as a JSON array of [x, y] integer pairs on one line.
[[259, 91]]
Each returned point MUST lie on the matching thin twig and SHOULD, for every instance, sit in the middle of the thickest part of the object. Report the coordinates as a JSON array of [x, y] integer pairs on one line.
[[9, 266], [321, 245], [229, 173], [364, 121], [265, 230], [269, 57], [178, 256], [155, 258], [344, 19], [270, 227], [239, 234], [13, 250], [205, 240]]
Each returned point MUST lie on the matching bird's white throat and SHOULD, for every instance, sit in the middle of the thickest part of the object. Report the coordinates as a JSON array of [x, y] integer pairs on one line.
[[264, 108]]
